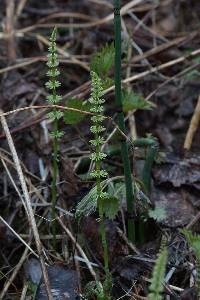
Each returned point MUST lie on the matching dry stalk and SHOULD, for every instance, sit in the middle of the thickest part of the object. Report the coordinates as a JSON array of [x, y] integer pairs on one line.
[[9, 28], [193, 126], [20, 8]]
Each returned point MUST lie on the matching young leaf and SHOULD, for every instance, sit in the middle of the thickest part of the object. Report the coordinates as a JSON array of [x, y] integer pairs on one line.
[[71, 117], [103, 60], [111, 207], [132, 101]]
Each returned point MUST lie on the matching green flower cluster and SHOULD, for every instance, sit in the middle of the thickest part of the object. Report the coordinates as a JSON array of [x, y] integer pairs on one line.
[[53, 84], [96, 100]]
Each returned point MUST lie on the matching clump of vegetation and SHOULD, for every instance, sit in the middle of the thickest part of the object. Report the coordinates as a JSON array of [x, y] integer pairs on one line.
[[106, 204], [98, 198]]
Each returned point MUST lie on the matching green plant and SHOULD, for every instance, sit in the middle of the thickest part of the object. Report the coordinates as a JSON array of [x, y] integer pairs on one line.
[[133, 101], [74, 118], [54, 115], [194, 242], [97, 157], [156, 287], [32, 289], [152, 150], [121, 122], [94, 289], [88, 204], [107, 205], [102, 62]]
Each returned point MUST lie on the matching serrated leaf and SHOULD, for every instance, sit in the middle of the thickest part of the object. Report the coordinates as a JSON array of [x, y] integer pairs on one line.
[[103, 60], [133, 101], [110, 207], [71, 117]]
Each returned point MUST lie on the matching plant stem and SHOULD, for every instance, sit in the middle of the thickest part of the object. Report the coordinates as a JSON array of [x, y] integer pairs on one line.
[[54, 180], [121, 122], [152, 149], [152, 146], [146, 174], [101, 214], [102, 219]]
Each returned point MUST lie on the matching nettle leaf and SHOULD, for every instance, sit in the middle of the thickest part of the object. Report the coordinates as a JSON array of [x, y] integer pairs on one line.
[[103, 60], [71, 117], [132, 101], [110, 207]]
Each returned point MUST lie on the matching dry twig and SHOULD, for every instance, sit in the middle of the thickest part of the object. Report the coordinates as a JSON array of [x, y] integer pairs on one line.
[[193, 126], [9, 28]]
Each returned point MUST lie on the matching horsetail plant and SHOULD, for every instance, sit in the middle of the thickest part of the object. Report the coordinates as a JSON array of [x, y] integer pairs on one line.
[[53, 98], [121, 123], [97, 157]]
